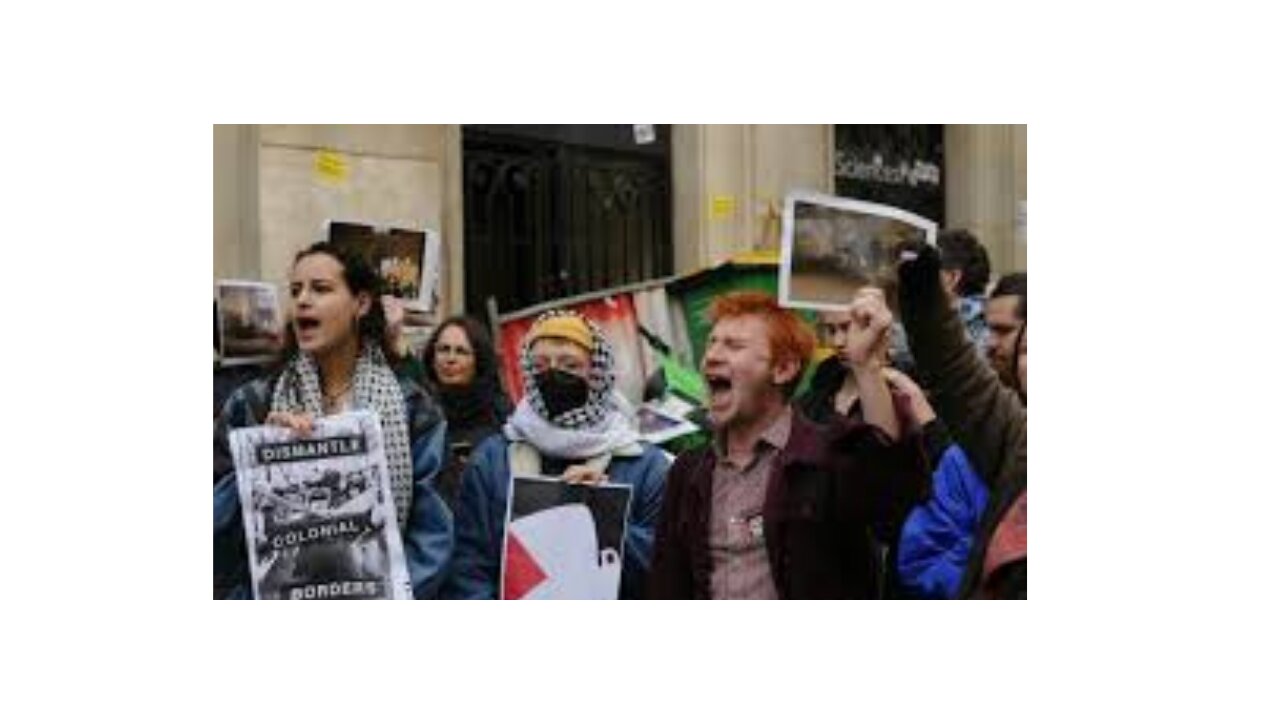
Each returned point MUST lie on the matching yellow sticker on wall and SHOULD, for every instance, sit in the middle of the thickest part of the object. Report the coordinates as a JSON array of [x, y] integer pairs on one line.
[[722, 207], [331, 167]]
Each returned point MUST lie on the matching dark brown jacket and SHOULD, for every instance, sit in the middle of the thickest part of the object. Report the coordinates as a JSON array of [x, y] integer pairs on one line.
[[829, 490]]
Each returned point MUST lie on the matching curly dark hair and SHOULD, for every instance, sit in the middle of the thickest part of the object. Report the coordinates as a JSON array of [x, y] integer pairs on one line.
[[360, 277], [961, 251]]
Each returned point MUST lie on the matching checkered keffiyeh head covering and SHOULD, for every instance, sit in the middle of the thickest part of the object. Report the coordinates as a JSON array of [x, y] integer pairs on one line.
[[600, 378]]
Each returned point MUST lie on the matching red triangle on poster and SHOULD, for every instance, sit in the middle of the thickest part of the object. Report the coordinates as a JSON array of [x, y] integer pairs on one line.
[[523, 573]]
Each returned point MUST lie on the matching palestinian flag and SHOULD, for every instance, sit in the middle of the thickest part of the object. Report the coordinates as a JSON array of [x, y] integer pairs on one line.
[[563, 541]]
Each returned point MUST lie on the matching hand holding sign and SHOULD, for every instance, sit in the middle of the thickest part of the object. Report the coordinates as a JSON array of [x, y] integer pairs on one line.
[[318, 513], [583, 475], [300, 423]]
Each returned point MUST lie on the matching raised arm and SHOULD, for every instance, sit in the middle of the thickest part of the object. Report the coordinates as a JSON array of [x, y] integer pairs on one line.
[[865, 351], [986, 419]]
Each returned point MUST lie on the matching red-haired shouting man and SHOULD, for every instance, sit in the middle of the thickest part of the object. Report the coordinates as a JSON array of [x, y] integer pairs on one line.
[[778, 507]]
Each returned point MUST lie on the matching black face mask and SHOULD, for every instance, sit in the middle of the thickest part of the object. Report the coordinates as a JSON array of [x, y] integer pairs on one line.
[[561, 391]]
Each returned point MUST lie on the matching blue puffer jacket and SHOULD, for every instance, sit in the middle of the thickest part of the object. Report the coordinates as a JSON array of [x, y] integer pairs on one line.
[[428, 536], [938, 535], [482, 510]]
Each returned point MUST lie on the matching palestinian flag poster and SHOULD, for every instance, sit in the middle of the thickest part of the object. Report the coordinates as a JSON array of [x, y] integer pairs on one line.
[[563, 541]]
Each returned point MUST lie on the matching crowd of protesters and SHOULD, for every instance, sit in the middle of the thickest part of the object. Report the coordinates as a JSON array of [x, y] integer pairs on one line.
[[899, 473]]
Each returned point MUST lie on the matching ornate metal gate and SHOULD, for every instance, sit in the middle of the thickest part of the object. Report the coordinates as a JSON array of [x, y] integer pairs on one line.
[[553, 211]]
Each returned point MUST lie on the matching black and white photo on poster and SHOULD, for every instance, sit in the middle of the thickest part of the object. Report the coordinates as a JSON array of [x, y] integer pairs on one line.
[[319, 518], [832, 247], [564, 541]]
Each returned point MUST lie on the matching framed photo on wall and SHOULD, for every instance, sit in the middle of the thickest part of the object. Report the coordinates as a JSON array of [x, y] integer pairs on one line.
[[250, 328]]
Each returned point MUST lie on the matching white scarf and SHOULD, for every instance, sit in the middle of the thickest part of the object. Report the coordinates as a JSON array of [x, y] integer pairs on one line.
[[375, 388], [614, 434]]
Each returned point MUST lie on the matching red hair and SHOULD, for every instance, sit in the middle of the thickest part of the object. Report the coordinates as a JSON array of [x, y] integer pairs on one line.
[[788, 336]]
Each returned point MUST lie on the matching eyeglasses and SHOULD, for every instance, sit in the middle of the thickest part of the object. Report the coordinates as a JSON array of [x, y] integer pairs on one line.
[[458, 350]]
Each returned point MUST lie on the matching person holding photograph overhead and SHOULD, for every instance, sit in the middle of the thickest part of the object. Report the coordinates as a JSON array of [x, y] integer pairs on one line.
[[335, 360]]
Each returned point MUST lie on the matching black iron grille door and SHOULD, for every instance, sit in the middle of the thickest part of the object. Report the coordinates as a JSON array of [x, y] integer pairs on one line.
[[554, 211]]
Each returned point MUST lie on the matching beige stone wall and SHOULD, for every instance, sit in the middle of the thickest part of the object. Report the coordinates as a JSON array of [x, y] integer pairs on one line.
[[270, 201], [729, 183], [689, 198], [1020, 196], [986, 179], [784, 158], [420, 142], [235, 245], [296, 205]]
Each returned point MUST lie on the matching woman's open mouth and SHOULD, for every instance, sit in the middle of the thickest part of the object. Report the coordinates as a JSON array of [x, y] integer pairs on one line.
[[307, 325]]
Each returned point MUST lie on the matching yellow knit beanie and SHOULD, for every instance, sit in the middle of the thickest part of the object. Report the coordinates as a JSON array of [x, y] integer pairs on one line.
[[564, 327]]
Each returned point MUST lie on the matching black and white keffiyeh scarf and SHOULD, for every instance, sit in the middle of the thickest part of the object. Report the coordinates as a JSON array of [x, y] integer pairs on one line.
[[374, 388], [600, 426]]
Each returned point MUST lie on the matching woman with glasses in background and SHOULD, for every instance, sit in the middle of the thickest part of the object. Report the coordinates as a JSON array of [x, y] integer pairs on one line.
[[462, 373]]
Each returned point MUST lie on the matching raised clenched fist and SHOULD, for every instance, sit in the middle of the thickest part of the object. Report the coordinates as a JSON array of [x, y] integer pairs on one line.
[[867, 340]]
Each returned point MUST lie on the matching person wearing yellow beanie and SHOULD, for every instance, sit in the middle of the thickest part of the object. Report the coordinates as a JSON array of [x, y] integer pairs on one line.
[[569, 424], [564, 327]]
